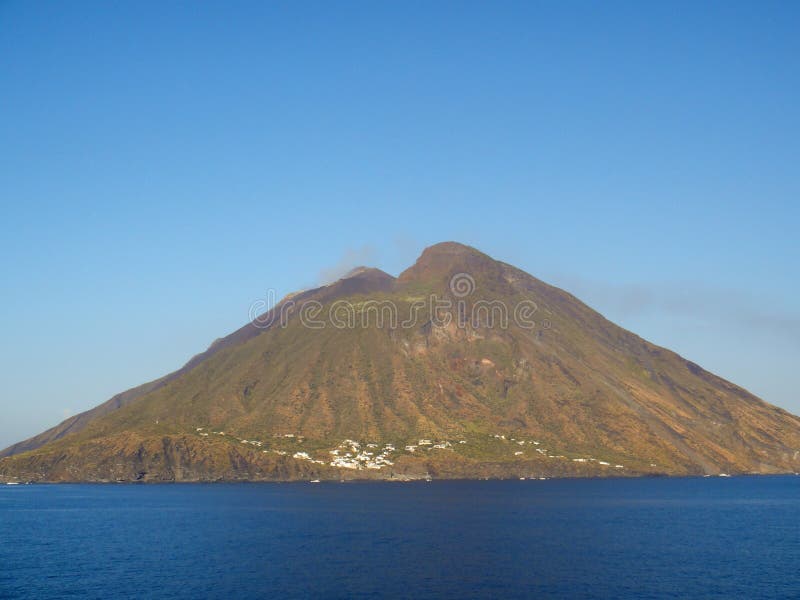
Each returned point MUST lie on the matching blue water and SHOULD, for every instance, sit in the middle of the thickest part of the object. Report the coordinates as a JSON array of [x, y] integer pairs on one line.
[[646, 538]]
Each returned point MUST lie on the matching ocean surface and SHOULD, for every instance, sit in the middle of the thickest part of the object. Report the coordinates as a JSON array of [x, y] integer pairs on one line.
[[725, 538]]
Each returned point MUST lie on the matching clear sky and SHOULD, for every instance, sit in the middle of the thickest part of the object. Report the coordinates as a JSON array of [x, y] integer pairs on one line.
[[163, 164]]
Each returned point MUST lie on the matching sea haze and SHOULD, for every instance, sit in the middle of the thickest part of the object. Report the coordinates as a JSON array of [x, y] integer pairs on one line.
[[637, 538]]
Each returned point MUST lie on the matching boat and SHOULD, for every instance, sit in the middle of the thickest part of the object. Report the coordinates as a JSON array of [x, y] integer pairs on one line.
[[12, 482], [314, 481]]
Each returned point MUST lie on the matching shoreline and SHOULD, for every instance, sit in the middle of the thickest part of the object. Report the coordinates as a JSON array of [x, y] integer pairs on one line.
[[647, 476]]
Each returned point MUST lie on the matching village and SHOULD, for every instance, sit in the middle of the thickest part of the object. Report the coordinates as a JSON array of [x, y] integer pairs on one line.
[[355, 455]]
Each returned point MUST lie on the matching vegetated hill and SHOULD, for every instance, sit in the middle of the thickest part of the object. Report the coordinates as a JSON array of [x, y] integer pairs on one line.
[[463, 366]]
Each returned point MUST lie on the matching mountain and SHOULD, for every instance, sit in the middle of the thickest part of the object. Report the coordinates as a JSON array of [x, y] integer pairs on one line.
[[462, 366]]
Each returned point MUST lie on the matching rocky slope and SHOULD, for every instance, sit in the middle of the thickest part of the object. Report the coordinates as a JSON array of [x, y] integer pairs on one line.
[[463, 366]]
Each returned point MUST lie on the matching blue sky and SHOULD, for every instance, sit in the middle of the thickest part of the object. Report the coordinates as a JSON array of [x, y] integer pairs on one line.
[[163, 164]]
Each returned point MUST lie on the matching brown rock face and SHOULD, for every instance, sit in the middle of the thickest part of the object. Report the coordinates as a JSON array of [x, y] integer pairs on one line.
[[463, 366]]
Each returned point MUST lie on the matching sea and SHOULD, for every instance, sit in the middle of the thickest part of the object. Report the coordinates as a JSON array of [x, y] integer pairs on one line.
[[727, 538]]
